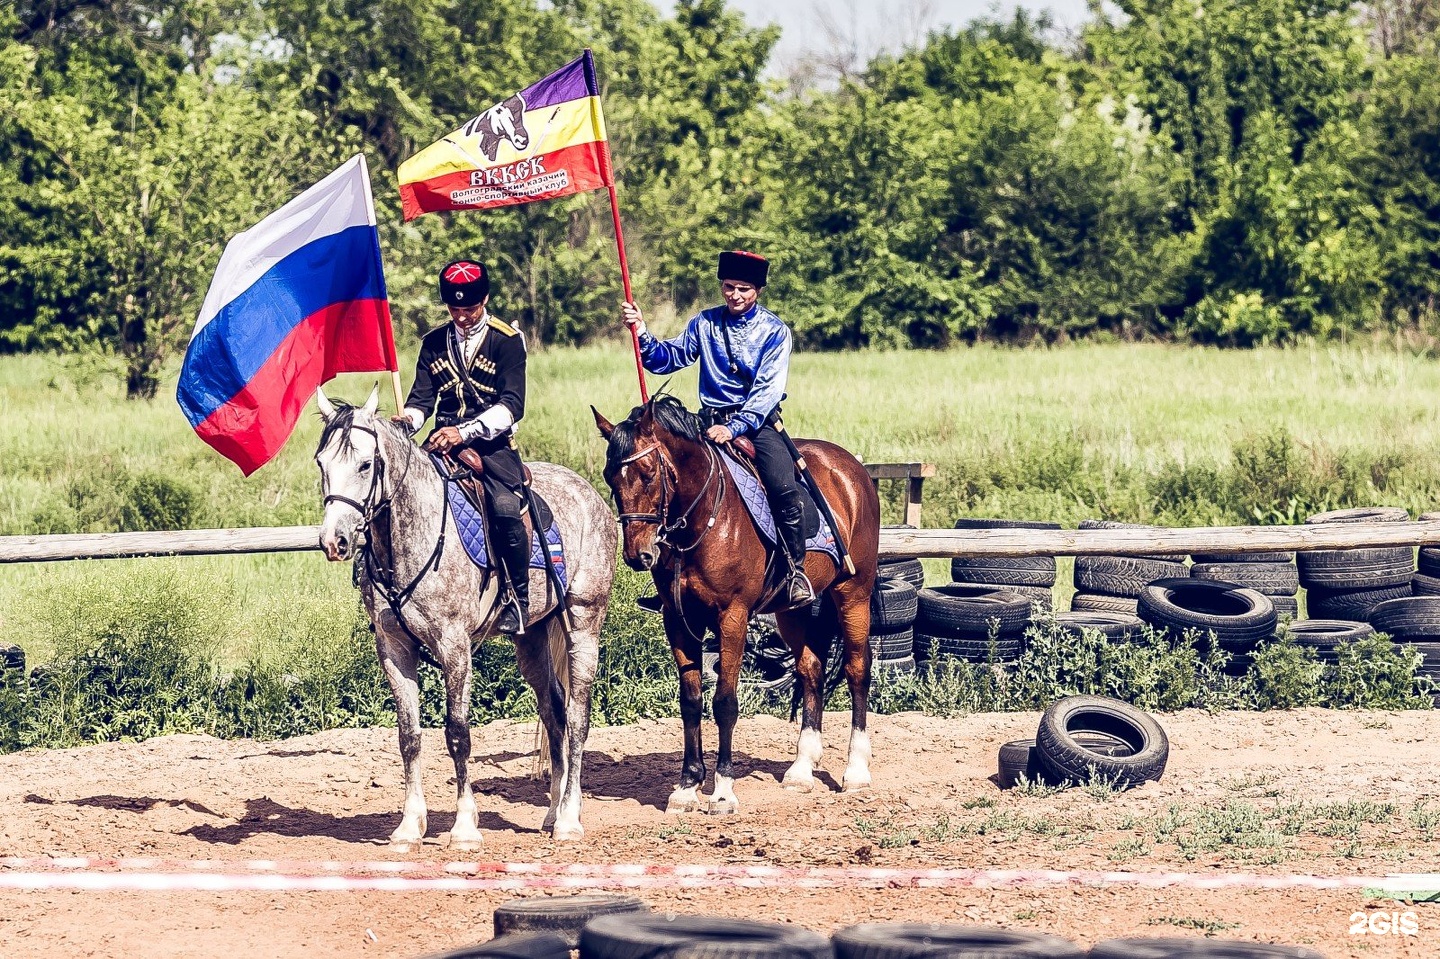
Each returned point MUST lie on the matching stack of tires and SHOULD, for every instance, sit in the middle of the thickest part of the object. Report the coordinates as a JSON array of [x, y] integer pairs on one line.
[[1346, 584], [1238, 619], [1112, 584], [893, 608], [959, 619], [1325, 637], [1113, 627], [1273, 574], [911, 571], [1413, 622], [1031, 576]]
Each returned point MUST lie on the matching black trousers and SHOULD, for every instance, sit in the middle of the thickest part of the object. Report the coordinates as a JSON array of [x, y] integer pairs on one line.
[[504, 483], [777, 471]]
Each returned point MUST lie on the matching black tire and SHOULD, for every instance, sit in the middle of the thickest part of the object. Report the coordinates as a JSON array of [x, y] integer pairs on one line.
[[1238, 617], [892, 605], [1429, 657], [1429, 561], [697, 937], [563, 916], [914, 940], [1423, 584], [1108, 524], [1286, 607], [966, 612], [1328, 632], [1272, 579], [1100, 603], [1005, 649], [1116, 627], [911, 571], [1068, 761], [1197, 948], [1408, 616], [1121, 575], [893, 667], [1203, 558], [1020, 757], [1011, 571], [1044, 595], [1356, 568], [1351, 604], [12, 658], [896, 645], [530, 945]]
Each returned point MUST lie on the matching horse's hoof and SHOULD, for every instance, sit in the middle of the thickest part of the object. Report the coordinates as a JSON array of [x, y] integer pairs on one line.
[[799, 785], [404, 845], [722, 807], [855, 786], [464, 844], [573, 833]]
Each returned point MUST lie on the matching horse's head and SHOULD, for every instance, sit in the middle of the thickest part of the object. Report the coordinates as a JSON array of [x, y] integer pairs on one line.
[[508, 121], [640, 469], [350, 473]]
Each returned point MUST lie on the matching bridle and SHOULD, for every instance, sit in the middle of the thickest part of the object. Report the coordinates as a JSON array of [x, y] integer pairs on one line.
[[663, 506], [369, 509]]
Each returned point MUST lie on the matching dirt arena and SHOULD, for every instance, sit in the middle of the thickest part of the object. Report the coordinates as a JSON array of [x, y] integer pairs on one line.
[[1310, 791]]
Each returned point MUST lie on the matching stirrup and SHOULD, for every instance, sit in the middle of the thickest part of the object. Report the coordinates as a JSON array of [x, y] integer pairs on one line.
[[799, 591], [511, 621], [651, 604]]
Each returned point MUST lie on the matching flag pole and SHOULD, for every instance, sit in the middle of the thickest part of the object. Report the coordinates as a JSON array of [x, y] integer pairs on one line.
[[387, 323], [625, 279]]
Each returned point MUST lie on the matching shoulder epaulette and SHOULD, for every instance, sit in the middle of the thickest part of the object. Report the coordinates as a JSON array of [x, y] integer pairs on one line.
[[502, 326]]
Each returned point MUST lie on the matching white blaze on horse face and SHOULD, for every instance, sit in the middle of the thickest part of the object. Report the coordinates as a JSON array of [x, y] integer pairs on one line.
[[346, 470]]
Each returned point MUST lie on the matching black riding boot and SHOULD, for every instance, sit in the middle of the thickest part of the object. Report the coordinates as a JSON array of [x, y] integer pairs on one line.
[[790, 519], [512, 548]]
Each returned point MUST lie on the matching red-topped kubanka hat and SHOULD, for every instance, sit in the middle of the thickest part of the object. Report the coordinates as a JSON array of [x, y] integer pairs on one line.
[[464, 283], [743, 267]]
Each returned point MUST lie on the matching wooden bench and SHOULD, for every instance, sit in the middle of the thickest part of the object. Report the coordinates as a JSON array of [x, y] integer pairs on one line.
[[916, 473]]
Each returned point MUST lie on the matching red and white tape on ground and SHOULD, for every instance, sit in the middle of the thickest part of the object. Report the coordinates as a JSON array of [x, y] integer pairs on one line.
[[339, 876]]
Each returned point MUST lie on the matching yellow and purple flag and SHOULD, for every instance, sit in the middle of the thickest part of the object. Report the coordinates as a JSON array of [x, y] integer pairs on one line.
[[546, 141]]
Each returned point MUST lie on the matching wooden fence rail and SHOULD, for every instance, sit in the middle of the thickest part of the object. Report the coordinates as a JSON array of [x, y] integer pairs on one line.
[[894, 543]]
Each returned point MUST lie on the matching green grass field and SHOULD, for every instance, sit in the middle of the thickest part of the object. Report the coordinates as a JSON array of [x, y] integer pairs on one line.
[[1179, 436]]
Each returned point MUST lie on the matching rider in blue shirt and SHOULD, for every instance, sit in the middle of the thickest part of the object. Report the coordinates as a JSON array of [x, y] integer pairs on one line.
[[744, 355]]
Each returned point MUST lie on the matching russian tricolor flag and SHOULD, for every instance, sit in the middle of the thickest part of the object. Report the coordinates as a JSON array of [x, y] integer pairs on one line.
[[296, 299]]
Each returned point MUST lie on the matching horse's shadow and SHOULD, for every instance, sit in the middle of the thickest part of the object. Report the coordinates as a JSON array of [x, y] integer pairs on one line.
[[648, 778]]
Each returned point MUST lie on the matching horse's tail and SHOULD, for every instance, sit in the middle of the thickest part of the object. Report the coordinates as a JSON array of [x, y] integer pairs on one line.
[[556, 636]]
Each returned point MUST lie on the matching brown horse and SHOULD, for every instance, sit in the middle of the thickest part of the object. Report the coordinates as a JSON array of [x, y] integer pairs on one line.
[[683, 520]]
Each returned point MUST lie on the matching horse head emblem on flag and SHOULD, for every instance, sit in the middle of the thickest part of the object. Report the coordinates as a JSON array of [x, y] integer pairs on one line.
[[504, 121]]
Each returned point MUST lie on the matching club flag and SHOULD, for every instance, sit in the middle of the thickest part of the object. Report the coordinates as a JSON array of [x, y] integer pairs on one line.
[[296, 299], [546, 141]]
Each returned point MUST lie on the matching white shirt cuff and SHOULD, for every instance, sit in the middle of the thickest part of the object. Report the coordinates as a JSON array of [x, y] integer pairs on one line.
[[416, 417], [489, 424]]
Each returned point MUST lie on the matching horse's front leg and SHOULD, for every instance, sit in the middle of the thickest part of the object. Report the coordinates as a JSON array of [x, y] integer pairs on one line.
[[853, 607], [454, 656], [397, 652], [734, 623], [802, 636], [685, 645]]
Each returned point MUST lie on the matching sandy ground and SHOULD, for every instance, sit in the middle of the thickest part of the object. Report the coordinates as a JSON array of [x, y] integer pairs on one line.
[[1312, 792]]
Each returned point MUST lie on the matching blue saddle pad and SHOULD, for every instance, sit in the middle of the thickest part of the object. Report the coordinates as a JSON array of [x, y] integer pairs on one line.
[[472, 533], [752, 494]]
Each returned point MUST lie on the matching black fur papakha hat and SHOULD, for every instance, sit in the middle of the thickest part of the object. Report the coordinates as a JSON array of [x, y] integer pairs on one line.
[[464, 283], [743, 267]]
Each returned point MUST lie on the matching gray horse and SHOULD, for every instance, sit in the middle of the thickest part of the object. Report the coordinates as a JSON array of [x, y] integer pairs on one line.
[[385, 503]]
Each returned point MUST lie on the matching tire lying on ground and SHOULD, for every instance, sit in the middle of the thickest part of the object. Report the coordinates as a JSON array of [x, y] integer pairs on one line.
[[893, 605], [697, 937], [1197, 948], [1238, 617], [1350, 569], [1004, 570], [1020, 758], [1354, 604], [965, 611], [1100, 603], [563, 916], [1116, 627], [896, 645], [1417, 616], [1067, 759], [529, 945], [914, 940], [1325, 636]]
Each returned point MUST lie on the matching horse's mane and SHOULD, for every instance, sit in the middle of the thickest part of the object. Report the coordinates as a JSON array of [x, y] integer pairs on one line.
[[344, 419], [667, 410]]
